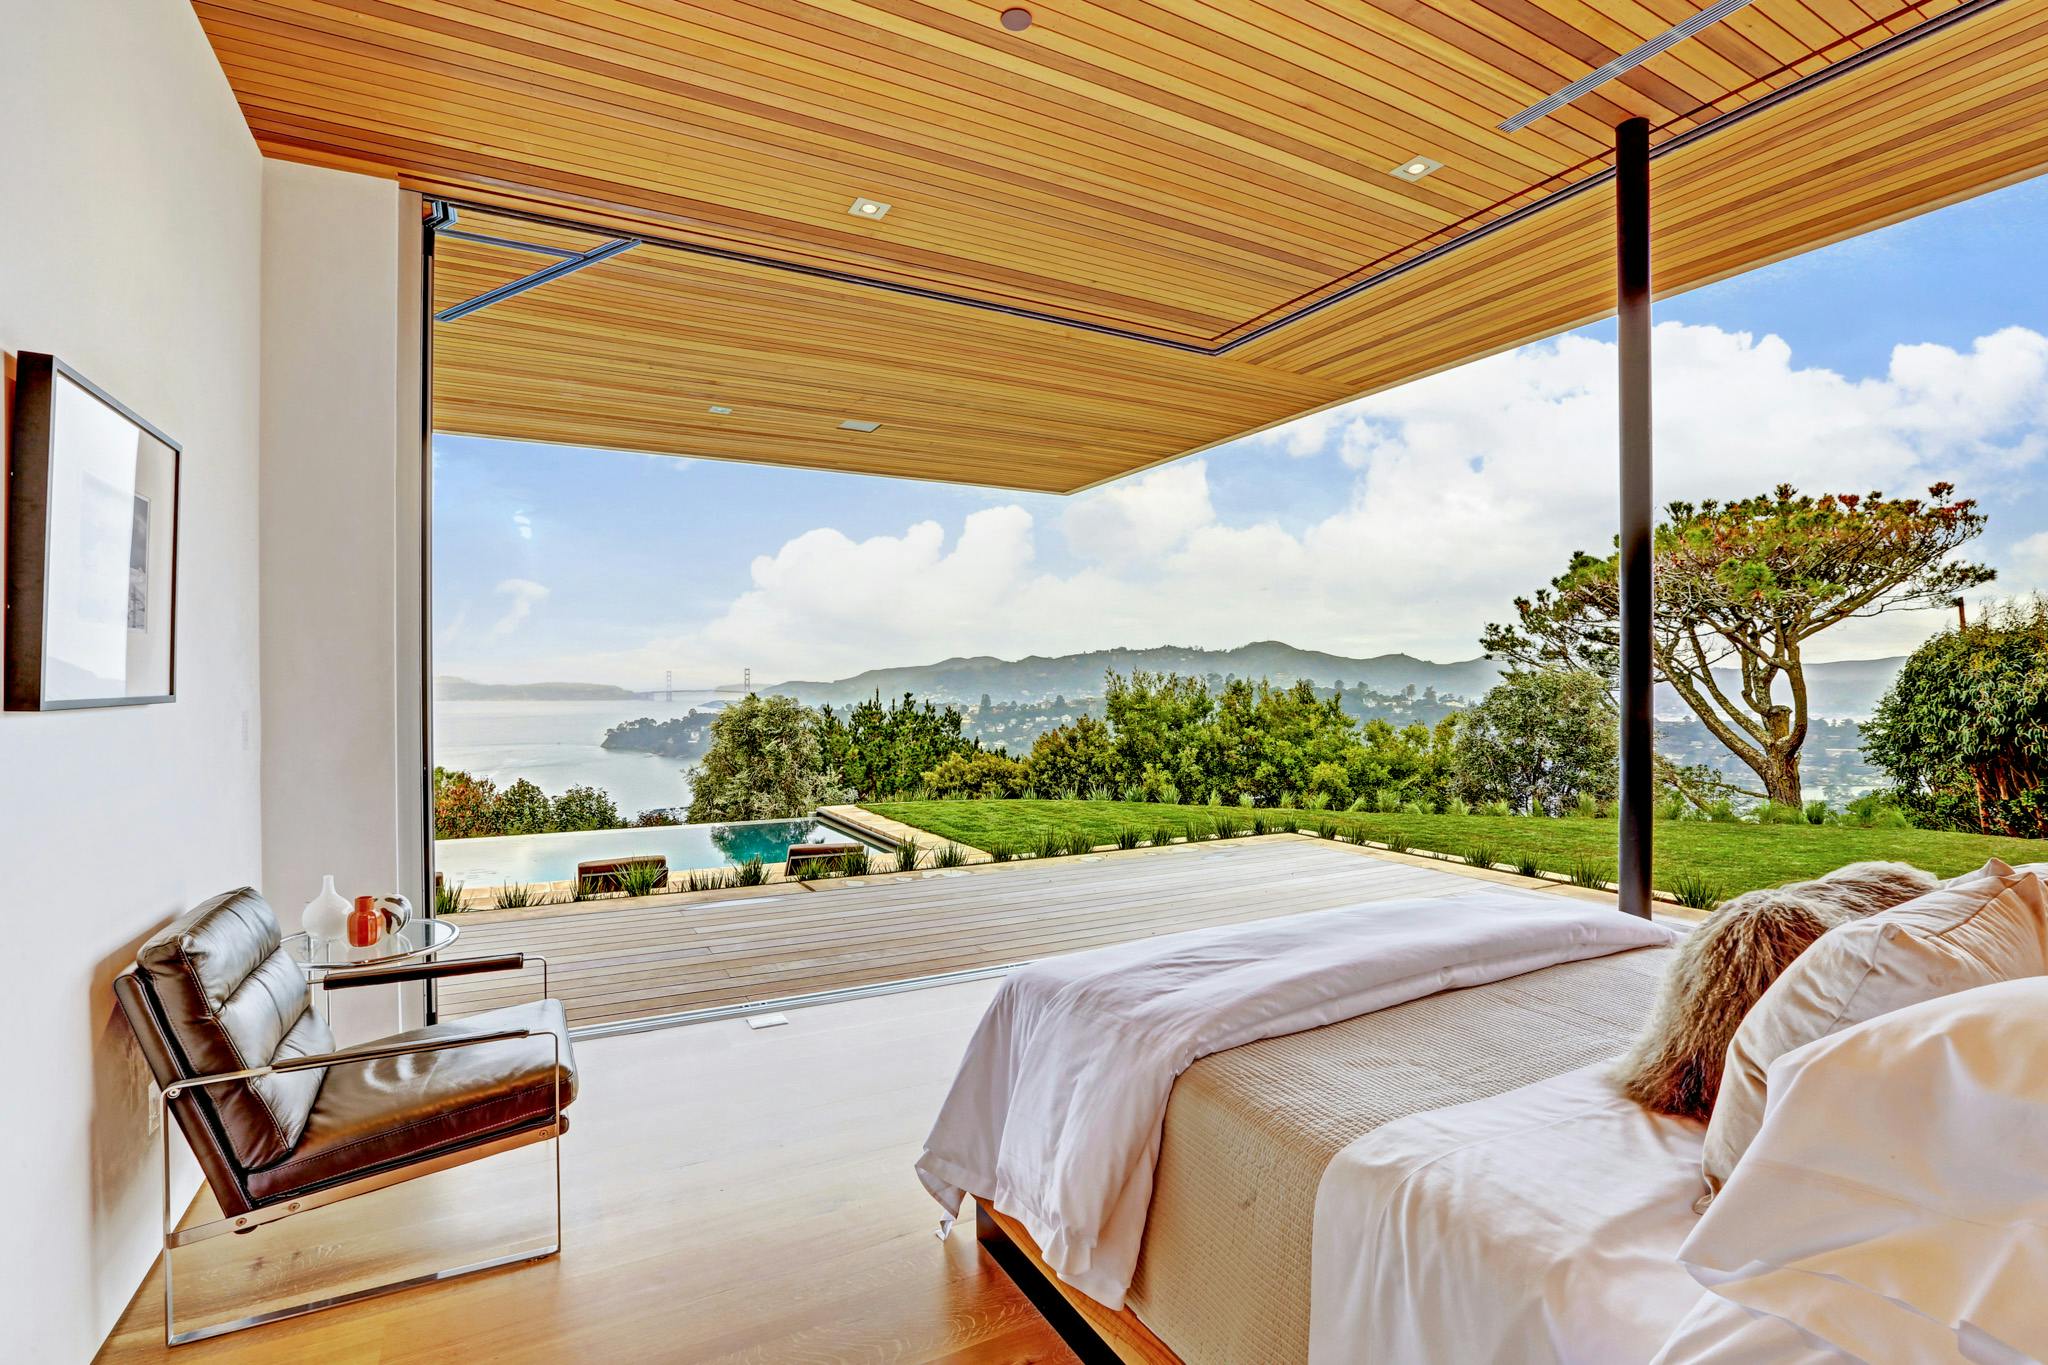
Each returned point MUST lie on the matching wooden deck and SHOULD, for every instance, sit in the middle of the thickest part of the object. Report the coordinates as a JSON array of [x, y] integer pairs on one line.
[[667, 955]]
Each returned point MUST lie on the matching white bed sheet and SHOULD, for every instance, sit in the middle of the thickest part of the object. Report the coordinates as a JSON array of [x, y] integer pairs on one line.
[[1539, 1225]]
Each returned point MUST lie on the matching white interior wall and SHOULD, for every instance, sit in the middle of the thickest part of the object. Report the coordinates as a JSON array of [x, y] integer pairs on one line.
[[340, 554], [130, 227]]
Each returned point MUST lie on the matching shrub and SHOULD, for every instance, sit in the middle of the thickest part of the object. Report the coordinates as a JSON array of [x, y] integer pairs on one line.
[[1397, 842], [1696, 892], [1169, 794], [981, 775], [1387, 800], [1247, 800], [1325, 829], [1127, 839], [1482, 855], [1001, 853], [1590, 872], [1230, 829], [1317, 801], [1197, 830], [1101, 792], [1259, 825], [1526, 864], [1587, 806], [1456, 805], [1819, 813], [1495, 808], [752, 872], [1774, 813], [447, 897], [948, 854], [652, 819], [1288, 824], [1363, 803], [1416, 808], [908, 856], [1049, 845], [1078, 842], [1162, 835]]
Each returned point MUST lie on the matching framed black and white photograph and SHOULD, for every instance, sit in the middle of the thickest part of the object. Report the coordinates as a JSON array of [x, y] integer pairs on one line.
[[92, 547]]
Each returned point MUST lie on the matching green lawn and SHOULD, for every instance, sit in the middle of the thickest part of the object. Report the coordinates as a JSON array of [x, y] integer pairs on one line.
[[1736, 857]]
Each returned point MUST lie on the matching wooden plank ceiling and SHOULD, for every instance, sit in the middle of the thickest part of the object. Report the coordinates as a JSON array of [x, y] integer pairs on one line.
[[1178, 176]]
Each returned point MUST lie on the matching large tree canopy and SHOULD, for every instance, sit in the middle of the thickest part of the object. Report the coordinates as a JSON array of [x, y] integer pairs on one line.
[[1539, 739], [765, 762], [1740, 588], [1964, 730]]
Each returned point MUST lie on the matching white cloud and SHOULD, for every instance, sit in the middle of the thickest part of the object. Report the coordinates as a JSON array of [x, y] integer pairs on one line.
[[1447, 498], [523, 524], [1141, 517], [2028, 561], [526, 595]]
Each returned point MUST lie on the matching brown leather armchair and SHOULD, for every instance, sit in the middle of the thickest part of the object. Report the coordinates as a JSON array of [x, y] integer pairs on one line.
[[281, 1122]]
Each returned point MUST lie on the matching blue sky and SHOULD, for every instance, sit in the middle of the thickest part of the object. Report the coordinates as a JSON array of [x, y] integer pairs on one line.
[[1402, 522]]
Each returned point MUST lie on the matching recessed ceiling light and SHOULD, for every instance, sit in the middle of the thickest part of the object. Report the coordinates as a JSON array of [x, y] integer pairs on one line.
[[850, 424], [868, 208], [1016, 20], [719, 410], [1415, 167]]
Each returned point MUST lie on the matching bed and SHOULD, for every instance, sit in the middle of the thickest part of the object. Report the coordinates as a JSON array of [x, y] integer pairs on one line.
[[1392, 1134], [1252, 1122]]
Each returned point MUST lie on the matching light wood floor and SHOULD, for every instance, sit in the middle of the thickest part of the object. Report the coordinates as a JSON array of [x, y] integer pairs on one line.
[[667, 956]]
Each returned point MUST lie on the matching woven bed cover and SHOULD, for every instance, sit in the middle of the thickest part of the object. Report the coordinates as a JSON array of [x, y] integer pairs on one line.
[[1224, 1273]]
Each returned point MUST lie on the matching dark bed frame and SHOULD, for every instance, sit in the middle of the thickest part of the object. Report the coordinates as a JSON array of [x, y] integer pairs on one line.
[[1057, 1304]]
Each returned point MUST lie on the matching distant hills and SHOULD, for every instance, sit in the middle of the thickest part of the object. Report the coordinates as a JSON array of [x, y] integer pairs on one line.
[[1040, 678], [462, 689], [1844, 690]]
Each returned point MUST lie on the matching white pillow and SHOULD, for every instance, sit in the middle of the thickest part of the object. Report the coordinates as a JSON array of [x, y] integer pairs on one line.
[[1895, 1202], [1993, 927]]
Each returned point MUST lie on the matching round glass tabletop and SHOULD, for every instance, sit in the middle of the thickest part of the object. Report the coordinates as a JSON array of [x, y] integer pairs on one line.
[[418, 938]]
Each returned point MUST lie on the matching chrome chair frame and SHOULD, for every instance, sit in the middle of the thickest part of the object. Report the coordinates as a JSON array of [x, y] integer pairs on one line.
[[174, 1236]]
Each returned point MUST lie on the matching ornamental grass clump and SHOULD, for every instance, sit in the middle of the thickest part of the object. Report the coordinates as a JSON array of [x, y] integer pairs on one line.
[[752, 872], [1001, 853], [1050, 845], [1696, 892], [516, 896], [1128, 839], [640, 879], [1526, 864], [1590, 873], [908, 856], [1078, 843], [1482, 855], [1162, 836]]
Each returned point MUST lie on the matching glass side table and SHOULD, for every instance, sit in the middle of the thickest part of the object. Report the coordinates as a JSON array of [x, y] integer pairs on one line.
[[421, 937]]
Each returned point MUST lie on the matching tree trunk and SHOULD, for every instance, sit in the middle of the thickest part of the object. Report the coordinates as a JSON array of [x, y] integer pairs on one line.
[[1780, 773]]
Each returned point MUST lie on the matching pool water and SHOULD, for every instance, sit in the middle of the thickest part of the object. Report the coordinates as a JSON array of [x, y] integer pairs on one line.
[[553, 857]]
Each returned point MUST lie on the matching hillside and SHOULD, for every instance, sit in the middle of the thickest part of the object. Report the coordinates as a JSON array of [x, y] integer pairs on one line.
[[1040, 678], [462, 689]]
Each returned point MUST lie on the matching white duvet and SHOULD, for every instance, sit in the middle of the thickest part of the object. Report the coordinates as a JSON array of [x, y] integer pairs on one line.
[[1056, 1112]]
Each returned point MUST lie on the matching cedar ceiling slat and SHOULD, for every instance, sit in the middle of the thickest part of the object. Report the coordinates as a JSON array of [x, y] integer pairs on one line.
[[1184, 169]]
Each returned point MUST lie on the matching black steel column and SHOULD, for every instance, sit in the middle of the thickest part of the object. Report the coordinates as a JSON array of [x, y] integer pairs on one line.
[[1632, 317]]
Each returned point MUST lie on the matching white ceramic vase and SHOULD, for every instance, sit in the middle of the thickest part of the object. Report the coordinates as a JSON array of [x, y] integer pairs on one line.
[[327, 914]]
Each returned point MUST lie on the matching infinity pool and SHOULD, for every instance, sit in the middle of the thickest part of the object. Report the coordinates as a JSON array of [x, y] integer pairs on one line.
[[553, 857]]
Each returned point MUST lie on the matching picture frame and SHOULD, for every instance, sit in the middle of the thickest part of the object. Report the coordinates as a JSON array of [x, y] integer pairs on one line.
[[92, 547]]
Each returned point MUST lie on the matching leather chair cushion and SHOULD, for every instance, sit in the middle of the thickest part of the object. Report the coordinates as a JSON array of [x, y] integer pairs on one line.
[[231, 999], [395, 1110]]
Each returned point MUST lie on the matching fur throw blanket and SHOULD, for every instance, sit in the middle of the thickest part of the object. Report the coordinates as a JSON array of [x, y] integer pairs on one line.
[[1721, 968]]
